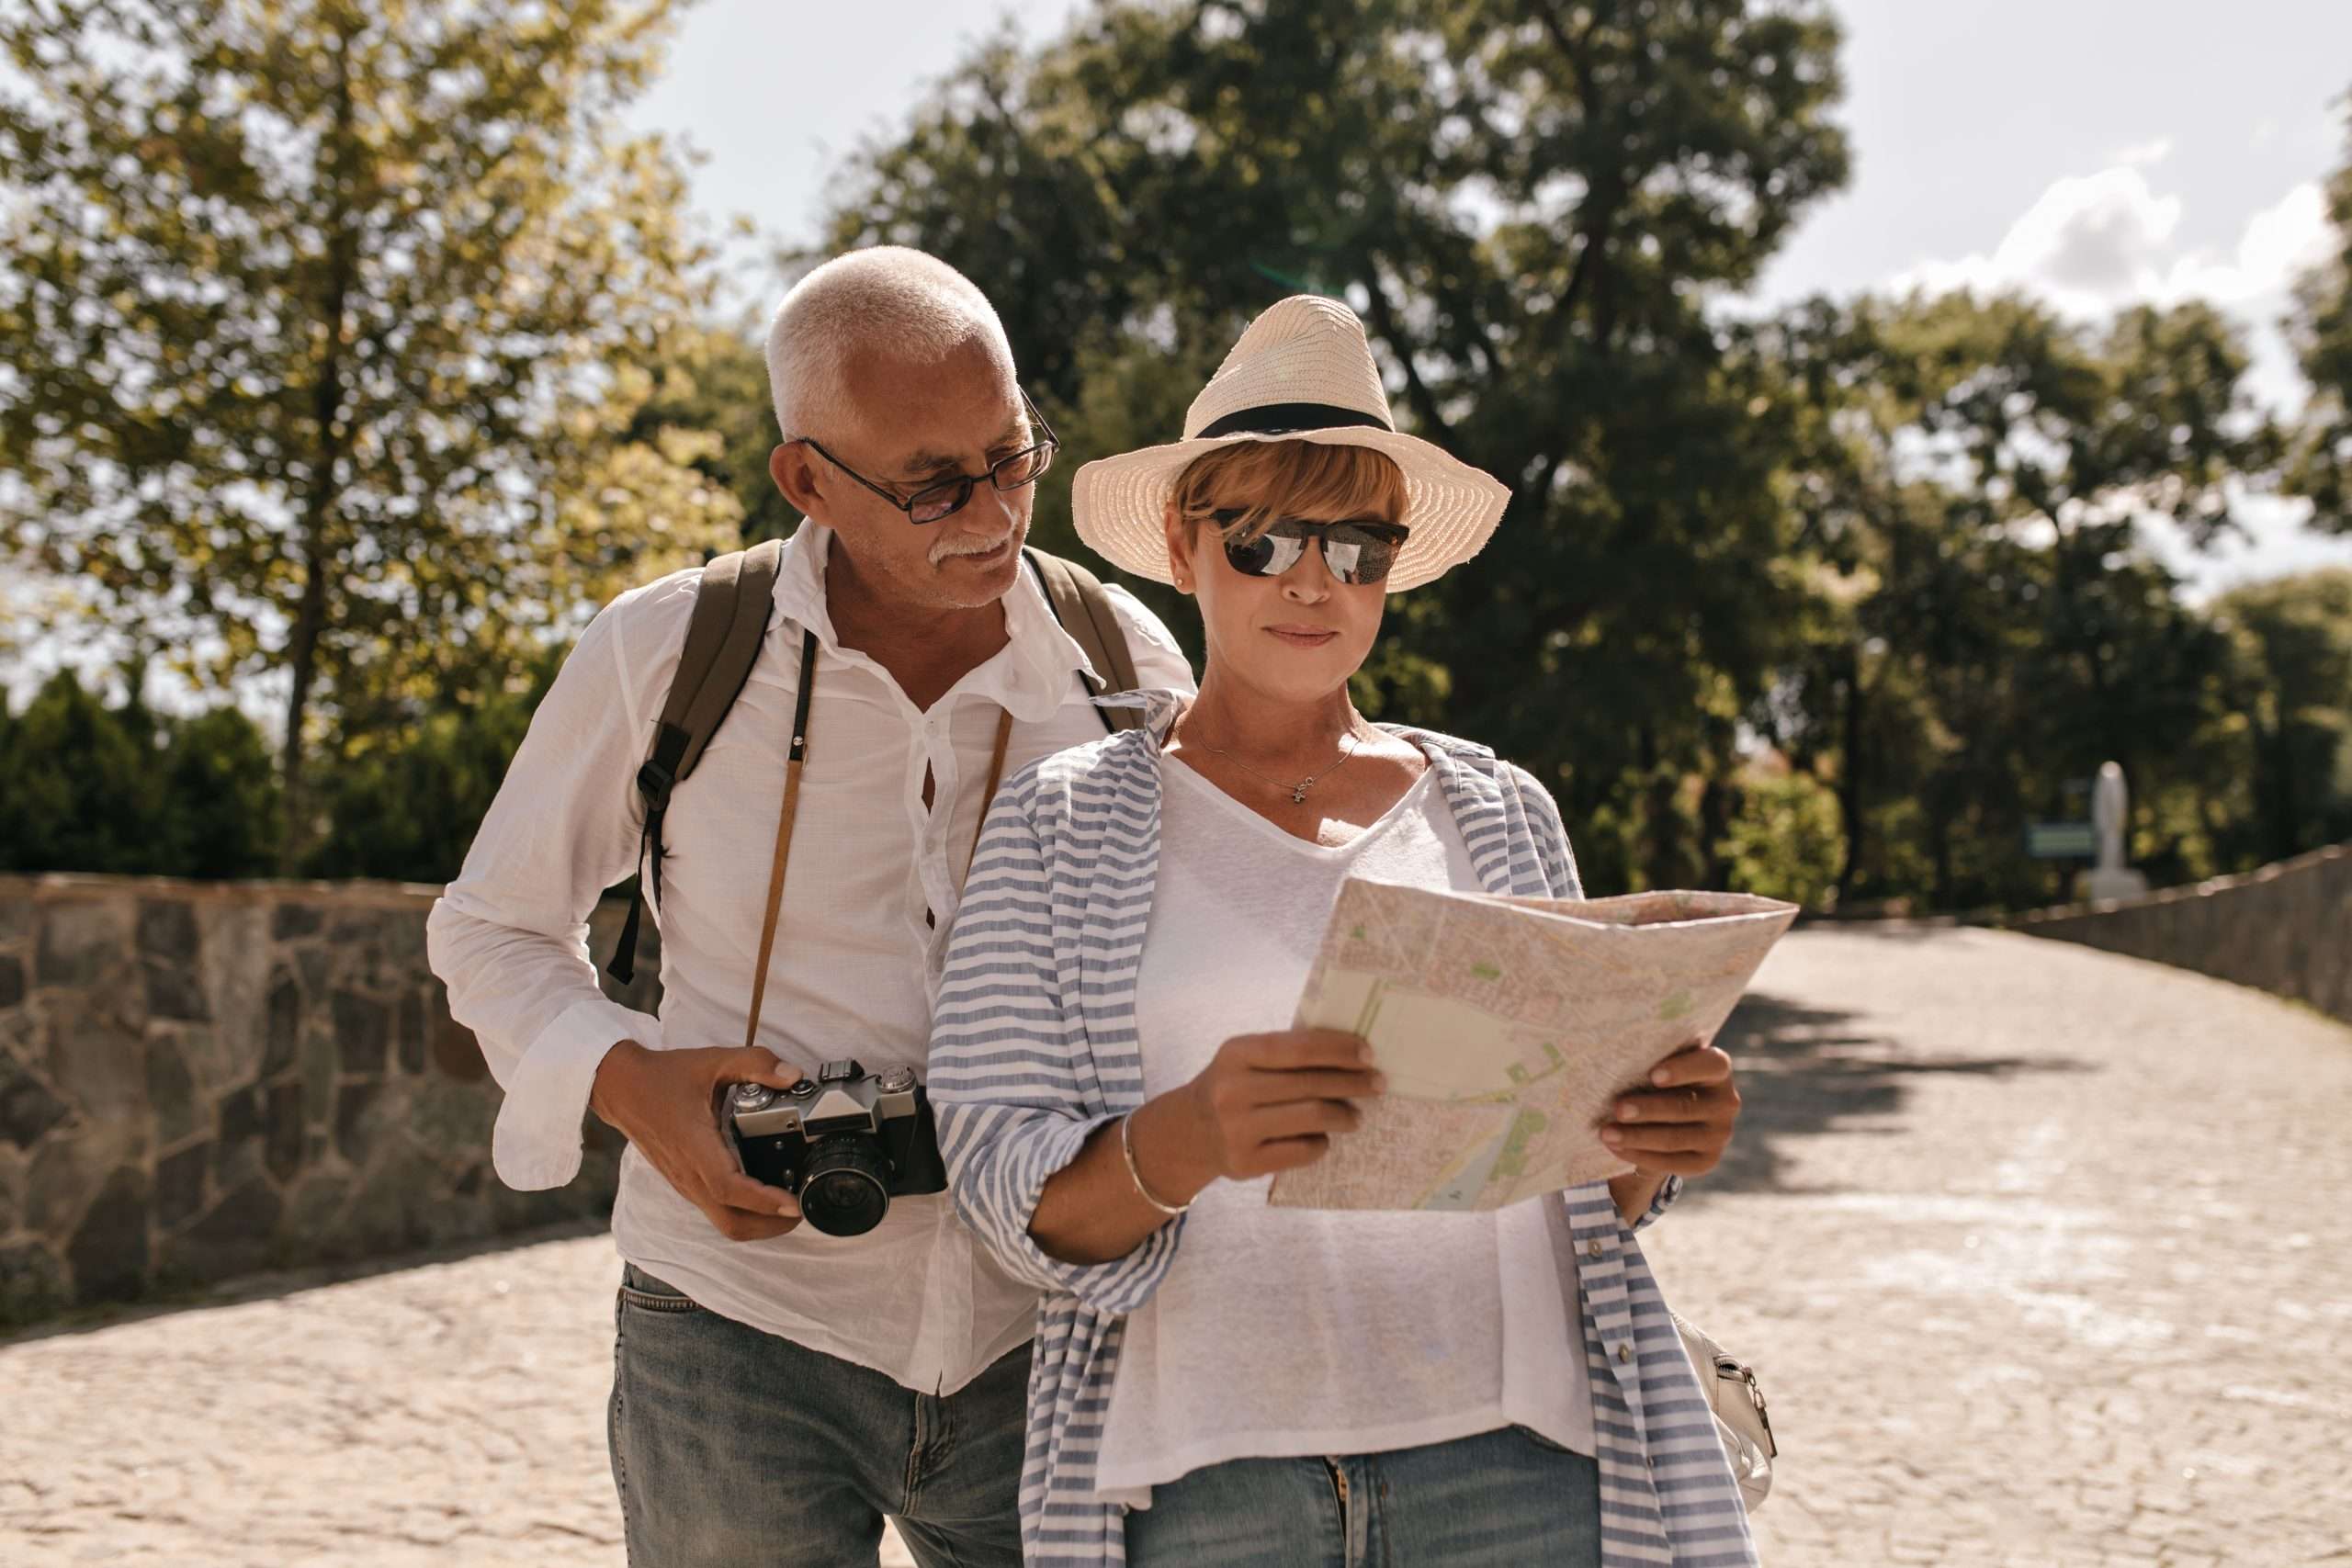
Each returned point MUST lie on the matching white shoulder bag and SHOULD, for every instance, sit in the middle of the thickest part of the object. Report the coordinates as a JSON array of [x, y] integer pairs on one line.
[[1741, 1421]]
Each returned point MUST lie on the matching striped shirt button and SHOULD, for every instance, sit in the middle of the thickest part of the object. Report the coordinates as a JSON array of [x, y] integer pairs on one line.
[[1624, 1352], [1592, 1247]]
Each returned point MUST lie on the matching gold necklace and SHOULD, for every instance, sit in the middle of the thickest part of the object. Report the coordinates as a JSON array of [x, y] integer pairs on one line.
[[1298, 790]]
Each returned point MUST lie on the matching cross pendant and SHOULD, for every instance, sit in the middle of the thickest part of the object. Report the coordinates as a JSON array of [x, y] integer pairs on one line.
[[1298, 794]]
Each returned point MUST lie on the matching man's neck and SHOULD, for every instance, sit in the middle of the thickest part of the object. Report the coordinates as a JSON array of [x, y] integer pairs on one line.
[[925, 648]]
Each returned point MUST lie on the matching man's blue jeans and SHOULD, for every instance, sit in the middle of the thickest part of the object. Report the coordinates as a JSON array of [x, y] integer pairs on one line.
[[1501, 1499], [732, 1446]]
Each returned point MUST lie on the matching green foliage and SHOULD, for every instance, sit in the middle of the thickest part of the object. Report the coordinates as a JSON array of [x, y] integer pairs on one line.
[[330, 326], [373, 366], [715, 382], [220, 787], [2293, 640], [88, 787], [2321, 328], [1985, 629], [1895, 538], [403, 805], [1785, 842], [80, 784], [1531, 206]]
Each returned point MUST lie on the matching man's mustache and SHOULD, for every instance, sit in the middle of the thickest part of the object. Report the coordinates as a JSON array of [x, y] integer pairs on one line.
[[966, 544]]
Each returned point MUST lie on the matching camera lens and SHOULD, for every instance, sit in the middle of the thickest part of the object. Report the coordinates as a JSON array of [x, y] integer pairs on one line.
[[846, 1189]]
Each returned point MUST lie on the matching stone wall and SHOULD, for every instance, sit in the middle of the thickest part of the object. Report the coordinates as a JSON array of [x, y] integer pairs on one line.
[[199, 1080], [2285, 929]]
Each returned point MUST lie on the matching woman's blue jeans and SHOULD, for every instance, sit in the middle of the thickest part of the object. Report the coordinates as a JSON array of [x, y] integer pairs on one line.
[[1502, 1499]]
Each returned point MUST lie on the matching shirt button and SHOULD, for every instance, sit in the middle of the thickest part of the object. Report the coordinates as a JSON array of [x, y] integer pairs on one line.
[[1592, 1249], [1625, 1353]]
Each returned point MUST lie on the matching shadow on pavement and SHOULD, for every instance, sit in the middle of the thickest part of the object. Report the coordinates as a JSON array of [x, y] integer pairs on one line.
[[1805, 1070], [290, 1282]]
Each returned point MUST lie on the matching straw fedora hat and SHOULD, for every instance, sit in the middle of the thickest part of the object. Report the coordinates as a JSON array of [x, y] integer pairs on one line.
[[1302, 371]]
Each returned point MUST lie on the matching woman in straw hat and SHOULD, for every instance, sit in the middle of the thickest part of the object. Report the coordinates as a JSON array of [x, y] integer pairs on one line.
[[1218, 1382]]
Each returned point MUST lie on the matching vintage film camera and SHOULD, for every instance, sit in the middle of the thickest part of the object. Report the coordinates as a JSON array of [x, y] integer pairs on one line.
[[846, 1142]]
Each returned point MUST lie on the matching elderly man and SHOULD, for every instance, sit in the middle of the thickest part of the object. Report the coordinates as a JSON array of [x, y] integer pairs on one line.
[[778, 1391]]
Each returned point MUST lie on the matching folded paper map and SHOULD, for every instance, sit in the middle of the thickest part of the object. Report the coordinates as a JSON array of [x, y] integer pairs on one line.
[[1507, 1027]]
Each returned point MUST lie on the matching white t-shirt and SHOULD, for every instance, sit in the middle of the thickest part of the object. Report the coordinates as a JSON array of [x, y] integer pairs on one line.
[[1287, 1332]]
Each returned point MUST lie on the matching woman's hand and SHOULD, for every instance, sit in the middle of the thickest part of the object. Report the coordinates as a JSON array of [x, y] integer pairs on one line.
[[1682, 1126], [1270, 1102], [1267, 1102]]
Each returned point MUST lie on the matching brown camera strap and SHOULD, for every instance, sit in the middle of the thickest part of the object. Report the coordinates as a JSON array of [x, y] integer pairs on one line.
[[793, 760]]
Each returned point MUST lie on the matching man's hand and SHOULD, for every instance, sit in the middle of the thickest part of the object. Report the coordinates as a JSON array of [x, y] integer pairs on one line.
[[1683, 1125], [1270, 1102], [667, 1103]]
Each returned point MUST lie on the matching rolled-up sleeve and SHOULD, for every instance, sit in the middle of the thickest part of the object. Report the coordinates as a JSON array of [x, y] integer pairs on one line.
[[509, 937], [1667, 1192], [1012, 1074]]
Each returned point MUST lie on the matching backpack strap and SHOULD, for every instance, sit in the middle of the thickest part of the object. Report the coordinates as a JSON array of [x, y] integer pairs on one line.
[[1075, 597], [723, 639]]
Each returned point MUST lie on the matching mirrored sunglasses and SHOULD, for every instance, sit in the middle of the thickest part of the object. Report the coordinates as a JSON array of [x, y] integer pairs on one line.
[[1358, 552]]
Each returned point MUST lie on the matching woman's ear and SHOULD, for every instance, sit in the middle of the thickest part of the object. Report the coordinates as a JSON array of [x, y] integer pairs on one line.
[[1179, 547]]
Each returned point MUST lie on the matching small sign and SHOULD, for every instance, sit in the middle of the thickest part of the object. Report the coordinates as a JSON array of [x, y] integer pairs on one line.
[[2061, 841]]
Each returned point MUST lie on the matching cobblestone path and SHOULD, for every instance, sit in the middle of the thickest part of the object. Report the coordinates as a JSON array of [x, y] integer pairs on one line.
[[2045, 1257]]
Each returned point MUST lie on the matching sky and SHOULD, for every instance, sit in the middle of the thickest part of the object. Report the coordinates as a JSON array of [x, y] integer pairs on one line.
[[2097, 153]]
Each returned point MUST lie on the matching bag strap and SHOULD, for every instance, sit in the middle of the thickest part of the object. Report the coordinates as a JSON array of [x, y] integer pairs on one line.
[[723, 638], [1075, 597]]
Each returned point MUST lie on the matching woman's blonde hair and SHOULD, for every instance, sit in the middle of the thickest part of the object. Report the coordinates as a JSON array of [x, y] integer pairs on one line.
[[1266, 480]]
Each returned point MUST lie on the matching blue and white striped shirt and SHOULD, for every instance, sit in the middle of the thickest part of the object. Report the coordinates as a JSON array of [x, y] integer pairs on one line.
[[1034, 1046]]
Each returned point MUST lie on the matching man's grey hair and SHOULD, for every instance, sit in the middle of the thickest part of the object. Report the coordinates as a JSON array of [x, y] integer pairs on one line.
[[888, 299]]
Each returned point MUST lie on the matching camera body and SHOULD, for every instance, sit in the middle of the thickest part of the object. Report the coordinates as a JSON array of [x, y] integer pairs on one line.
[[846, 1142]]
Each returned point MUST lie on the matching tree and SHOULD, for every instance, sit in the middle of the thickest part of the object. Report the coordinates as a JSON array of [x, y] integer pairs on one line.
[[85, 787], [2295, 637], [715, 381], [405, 800], [1531, 205], [2321, 328], [1970, 475], [220, 798], [330, 325], [80, 784]]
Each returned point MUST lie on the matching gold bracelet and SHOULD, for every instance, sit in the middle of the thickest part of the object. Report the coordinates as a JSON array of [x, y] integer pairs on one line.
[[1127, 1147]]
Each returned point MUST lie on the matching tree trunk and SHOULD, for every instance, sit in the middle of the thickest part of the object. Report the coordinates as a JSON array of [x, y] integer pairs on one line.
[[318, 506]]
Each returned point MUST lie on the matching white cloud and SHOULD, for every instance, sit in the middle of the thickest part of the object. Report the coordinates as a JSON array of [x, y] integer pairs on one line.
[[2154, 151], [2280, 241], [2093, 243], [2089, 244]]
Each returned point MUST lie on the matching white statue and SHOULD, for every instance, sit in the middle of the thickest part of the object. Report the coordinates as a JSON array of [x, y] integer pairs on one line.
[[2111, 812]]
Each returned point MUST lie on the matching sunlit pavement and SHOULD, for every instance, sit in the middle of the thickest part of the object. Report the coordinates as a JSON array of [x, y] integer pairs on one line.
[[2045, 1257]]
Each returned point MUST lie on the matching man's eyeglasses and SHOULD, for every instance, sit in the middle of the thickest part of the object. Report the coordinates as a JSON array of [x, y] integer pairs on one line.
[[946, 497], [1356, 552]]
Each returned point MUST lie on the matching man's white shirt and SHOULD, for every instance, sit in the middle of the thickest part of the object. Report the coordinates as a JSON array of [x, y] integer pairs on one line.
[[916, 1299]]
